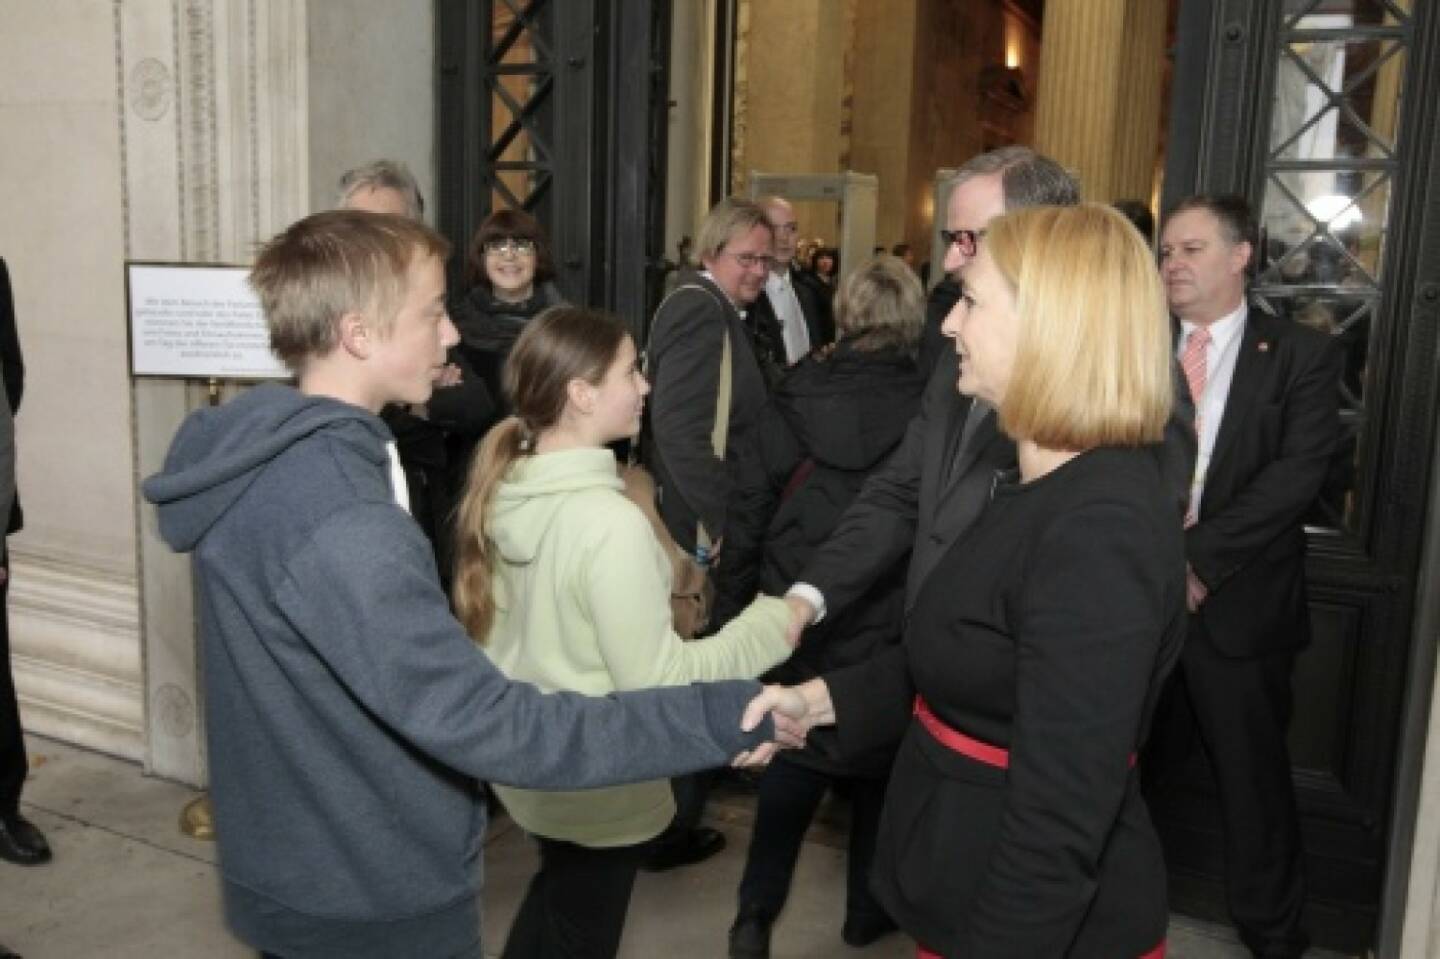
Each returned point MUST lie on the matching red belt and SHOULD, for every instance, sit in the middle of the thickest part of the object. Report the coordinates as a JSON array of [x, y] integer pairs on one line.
[[956, 741], [1157, 953]]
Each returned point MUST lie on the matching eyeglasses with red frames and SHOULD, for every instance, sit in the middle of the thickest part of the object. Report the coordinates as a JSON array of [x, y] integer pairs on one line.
[[967, 240]]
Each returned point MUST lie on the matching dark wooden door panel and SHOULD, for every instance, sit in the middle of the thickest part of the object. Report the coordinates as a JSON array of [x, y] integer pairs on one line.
[[1323, 113], [557, 107]]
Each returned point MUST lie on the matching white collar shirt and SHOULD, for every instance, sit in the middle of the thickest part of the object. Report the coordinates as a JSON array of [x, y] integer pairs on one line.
[[1220, 356], [711, 277], [781, 292], [397, 477]]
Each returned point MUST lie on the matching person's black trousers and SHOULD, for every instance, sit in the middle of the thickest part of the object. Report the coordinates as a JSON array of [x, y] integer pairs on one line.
[[13, 764], [789, 793], [691, 792], [575, 906], [1242, 708]]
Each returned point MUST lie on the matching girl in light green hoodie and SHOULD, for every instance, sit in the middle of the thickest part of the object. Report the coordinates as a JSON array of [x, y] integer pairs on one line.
[[561, 578]]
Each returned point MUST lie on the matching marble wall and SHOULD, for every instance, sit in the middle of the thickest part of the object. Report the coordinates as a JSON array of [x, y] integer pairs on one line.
[[891, 89], [690, 120], [788, 97], [75, 634], [178, 130], [359, 112]]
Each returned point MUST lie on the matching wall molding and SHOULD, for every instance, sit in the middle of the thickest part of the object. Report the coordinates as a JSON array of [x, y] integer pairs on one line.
[[75, 635]]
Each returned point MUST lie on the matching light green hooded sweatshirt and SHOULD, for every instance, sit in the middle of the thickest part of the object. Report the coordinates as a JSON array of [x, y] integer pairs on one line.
[[582, 595]]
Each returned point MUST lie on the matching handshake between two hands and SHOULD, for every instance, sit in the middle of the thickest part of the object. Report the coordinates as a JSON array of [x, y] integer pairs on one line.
[[795, 709]]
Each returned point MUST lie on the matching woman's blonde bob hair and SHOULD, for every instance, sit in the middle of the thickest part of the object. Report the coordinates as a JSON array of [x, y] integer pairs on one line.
[[1093, 354]]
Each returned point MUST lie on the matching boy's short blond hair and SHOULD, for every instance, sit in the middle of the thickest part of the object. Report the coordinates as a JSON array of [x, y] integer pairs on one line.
[[333, 263], [1093, 358]]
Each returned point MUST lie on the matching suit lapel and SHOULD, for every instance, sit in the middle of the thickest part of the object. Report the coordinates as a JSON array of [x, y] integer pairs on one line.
[[1252, 365], [985, 432], [954, 429], [809, 309], [963, 496]]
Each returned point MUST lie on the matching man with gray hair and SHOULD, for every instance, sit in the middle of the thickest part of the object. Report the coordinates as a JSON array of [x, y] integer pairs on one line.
[[791, 316], [433, 439], [381, 186], [936, 483]]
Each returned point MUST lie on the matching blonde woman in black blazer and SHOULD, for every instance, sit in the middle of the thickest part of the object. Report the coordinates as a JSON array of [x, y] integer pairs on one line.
[[1013, 823]]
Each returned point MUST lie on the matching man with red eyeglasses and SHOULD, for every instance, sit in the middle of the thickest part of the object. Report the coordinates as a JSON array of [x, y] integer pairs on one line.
[[936, 483], [929, 491]]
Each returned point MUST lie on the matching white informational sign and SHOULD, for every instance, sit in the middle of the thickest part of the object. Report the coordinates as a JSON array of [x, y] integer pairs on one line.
[[197, 322]]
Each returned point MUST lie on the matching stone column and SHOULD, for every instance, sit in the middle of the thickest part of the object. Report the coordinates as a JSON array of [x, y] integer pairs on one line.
[[273, 100], [74, 611], [788, 88], [170, 130], [214, 134], [1098, 109], [882, 133], [691, 119]]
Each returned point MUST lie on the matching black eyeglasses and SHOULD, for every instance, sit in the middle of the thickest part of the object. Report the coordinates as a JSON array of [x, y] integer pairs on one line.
[[750, 261], [967, 240]]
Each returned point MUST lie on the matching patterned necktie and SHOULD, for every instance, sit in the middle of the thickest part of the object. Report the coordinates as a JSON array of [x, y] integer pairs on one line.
[[1192, 361]]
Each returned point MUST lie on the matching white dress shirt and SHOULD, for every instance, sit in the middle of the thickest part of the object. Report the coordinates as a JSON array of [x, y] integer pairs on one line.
[[781, 291], [1225, 336], [397, 477]]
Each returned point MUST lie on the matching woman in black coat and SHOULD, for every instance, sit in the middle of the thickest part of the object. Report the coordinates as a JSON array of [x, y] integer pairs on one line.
[[1013, 824], [832, 419], [508, 270]]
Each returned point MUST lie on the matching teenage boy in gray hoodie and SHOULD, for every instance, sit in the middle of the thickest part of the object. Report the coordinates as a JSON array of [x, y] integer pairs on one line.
[[349, 716]]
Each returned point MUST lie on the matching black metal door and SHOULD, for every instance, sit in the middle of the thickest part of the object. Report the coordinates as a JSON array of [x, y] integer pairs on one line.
[[557, 107], [1323, 113]]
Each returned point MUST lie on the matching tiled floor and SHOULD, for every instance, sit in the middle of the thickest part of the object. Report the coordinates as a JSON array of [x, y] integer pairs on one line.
[[126, 884]]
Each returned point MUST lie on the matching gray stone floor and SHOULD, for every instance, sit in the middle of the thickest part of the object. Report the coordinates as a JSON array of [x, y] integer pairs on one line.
[[126, 884]]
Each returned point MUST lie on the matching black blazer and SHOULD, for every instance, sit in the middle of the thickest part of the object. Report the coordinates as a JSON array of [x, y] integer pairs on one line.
[[683, 364], [12, 364], [1276, 440], [814, 301], [930, 491], [915, 499], [1071, 615]]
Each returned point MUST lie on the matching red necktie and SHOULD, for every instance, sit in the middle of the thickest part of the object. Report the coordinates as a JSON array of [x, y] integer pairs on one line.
[[1192, 361]]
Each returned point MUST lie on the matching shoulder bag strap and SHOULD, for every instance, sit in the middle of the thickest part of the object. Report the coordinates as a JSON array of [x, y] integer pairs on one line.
[[720, 433]]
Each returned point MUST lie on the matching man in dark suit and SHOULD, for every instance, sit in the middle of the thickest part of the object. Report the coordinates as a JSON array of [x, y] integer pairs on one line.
[[938, 480], [935, 485], [792, 314], [1266, 393], [687, 364], [20, 841]]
